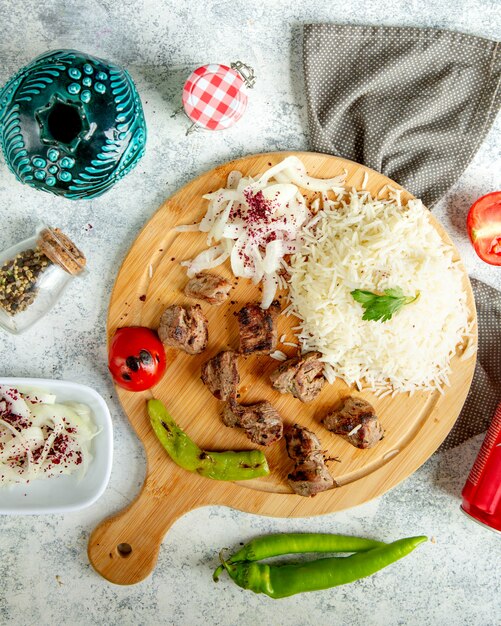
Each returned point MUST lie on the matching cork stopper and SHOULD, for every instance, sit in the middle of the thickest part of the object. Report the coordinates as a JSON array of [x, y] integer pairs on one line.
[[61, 250]]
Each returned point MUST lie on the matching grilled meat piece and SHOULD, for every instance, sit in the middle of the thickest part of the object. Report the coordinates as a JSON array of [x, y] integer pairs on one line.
[[302, 376], [310, 475], [301, 443], [261, 421], [257, 327], [212, 288], [357, 422], [184, 328], [220, 374]]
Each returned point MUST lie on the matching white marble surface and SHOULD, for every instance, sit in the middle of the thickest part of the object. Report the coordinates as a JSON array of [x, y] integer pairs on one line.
[[44, 572]]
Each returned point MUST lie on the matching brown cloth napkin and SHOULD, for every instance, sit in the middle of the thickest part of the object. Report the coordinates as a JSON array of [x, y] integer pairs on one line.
[[485, 391], [414, 104]]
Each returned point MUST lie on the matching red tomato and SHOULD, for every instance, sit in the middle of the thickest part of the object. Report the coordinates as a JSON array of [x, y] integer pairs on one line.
[[484, 227], [136, 358]]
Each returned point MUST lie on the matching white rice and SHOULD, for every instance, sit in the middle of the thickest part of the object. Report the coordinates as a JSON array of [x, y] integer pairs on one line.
[[372, 244], [278, 355]]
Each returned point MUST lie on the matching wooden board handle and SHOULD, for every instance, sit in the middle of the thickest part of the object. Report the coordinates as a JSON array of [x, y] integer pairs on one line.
[[124, 548]]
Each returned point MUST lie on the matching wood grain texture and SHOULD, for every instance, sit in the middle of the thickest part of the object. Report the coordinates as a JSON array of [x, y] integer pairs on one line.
[[415, 426]]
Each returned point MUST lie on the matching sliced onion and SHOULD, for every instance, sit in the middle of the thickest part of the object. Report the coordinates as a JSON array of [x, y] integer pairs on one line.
[[296, 172], [38, 433], [274, 253], [239, 253], [234, 230], [280, 194], [36, 395], [234, 178], [256, 240], [14, 401], [206, 260], [217, 230], [288, 162], [258, 264]]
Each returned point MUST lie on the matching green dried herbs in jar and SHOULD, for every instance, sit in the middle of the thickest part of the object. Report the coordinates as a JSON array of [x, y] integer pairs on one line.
[[33, 275]]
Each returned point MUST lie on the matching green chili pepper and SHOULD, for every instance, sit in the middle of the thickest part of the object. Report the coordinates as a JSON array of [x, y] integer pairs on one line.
[[295, 543], [184, 451], [280, 581]]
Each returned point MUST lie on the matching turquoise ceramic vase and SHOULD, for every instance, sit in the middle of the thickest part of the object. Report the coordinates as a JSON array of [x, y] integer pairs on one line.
[[71, 124]]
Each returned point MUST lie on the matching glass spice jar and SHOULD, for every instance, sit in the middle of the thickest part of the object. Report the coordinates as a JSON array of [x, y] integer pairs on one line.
[[33, 275]]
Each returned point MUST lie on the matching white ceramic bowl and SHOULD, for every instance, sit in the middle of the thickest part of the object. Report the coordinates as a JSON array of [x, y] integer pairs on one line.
[[61, 494]]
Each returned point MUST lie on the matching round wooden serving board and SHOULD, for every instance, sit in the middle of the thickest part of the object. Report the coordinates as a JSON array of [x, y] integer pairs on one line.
[[150, 279]]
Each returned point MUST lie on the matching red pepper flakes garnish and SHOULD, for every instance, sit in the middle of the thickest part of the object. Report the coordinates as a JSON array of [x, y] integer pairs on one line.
[[37, 453], [259, 207], [16, 421]]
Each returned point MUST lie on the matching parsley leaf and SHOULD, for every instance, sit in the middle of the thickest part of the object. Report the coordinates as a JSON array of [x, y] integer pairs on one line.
[[380, 308]]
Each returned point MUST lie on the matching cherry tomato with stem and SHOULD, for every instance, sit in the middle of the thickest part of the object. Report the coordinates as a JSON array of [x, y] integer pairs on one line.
[[136, 358]]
